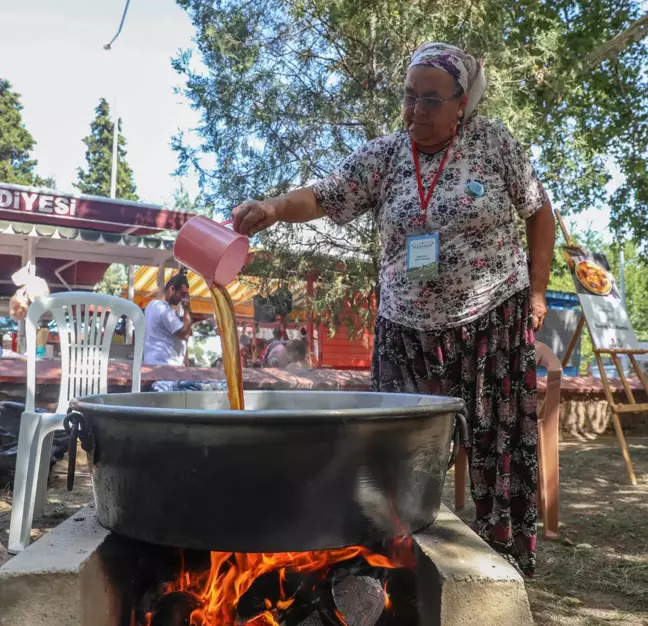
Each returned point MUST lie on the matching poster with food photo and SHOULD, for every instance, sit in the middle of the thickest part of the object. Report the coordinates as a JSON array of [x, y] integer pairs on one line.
[[600, 299]]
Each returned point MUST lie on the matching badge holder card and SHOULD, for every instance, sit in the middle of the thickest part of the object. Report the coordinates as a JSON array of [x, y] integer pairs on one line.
[[423, 257]]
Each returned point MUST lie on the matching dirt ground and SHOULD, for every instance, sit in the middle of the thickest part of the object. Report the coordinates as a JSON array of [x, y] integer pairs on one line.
[[61, 503], [596, 574]]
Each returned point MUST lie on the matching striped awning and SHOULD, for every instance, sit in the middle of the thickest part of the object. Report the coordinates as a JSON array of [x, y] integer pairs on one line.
[[242, 291], [83, 234]]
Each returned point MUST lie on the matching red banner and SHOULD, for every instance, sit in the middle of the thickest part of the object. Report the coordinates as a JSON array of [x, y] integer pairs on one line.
[[67, 210], [35, 202]]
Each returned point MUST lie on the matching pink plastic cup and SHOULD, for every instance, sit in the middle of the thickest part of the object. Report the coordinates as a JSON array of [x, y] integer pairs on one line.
[[210, 249]]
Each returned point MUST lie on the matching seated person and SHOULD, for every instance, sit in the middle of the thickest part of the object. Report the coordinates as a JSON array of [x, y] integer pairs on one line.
[[282, 354]]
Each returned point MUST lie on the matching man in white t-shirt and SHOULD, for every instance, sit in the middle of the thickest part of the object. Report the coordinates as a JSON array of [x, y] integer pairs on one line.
[[166, 337]]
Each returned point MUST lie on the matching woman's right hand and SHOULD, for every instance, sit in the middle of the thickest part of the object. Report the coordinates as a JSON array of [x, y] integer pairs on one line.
[[253, 216]]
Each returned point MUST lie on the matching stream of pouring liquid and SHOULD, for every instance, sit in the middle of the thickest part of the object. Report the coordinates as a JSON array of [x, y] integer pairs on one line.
[[226, 321]]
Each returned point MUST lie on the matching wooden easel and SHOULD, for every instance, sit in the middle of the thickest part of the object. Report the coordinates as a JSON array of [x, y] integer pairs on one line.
[[630, 406]]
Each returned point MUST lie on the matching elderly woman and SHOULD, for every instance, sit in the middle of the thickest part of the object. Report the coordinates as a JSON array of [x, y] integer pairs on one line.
[[459, 298]]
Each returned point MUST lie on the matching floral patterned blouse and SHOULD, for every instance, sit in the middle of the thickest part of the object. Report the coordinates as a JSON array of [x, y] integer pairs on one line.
[[482, 260]]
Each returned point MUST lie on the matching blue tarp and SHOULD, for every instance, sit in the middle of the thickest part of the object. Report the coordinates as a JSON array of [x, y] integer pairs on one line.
[[189, 385]]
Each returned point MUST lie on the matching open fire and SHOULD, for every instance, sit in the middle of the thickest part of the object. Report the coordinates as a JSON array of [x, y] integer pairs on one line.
[[341, 587]]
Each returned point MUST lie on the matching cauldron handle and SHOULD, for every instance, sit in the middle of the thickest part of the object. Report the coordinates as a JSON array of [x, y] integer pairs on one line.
[[459, 435], [75, 426]]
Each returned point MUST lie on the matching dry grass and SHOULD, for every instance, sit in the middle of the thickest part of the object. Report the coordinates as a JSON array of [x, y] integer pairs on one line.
[[596, 574]]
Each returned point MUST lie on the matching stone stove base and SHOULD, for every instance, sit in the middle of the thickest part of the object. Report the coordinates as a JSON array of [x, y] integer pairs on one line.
[[82, 575]]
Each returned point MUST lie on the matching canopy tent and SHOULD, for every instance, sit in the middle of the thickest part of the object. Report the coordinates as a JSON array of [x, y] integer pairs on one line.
[[72, 238], [242, 291]]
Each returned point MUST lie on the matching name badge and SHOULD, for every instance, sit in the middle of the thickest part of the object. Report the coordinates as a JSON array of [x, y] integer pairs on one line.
[[423, 257]]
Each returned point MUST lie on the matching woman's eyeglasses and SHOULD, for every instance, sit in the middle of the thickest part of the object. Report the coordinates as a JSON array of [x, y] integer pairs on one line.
[[429, 102]]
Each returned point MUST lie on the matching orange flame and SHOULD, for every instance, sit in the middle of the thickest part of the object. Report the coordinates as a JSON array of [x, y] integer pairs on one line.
[[282, 605], [263, 619], [388, 602], [231, 575]]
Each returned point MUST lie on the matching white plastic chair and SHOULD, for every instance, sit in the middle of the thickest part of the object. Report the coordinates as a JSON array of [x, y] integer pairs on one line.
[[86, 323]]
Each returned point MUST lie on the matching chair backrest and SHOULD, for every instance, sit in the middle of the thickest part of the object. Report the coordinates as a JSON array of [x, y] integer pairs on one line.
[[546, 358], [86, 323], [550, 408]]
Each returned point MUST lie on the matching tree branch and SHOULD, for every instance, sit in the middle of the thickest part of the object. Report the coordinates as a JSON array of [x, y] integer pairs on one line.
[[615, 46]]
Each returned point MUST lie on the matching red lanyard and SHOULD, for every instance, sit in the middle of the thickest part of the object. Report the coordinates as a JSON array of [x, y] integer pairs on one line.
[[425, 198]]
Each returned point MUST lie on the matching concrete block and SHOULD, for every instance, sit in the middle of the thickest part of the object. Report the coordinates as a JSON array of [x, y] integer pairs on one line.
[[51, 582], [463, 582], [82, 575]]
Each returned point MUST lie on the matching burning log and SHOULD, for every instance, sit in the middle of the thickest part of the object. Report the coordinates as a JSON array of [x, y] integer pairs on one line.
[[254, 600], [149, 601], [360, 600], [401, 599], [276, 590], [340, 587], [174, 609], [312, 619]]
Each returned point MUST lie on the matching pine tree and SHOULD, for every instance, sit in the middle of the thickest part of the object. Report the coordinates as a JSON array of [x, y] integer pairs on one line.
[[113, 280], [96, 179], [183, 201], [16, 142]]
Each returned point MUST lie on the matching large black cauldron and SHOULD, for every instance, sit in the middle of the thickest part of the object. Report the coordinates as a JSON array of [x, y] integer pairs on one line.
[[296, 471]]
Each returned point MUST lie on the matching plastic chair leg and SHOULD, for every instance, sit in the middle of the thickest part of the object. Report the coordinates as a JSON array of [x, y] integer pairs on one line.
[[43, 472], [42, 452], [461, 469], [26, 467], [34, 440]]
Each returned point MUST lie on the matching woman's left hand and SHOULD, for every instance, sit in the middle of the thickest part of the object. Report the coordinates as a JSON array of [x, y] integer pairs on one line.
[[538, 309]]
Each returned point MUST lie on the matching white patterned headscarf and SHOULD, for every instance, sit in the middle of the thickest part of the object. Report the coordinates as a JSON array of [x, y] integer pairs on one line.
[[465, 69]]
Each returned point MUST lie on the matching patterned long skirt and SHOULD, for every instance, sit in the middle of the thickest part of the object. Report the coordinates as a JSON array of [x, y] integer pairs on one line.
[[491, 364]]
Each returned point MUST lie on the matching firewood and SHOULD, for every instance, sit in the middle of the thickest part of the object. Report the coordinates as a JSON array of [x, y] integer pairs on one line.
[[359, 599]]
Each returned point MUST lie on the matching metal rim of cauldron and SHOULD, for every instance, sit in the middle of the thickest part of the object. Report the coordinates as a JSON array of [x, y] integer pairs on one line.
[[85, 406]]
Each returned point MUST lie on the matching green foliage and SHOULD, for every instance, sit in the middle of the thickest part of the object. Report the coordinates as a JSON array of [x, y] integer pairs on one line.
[[199, 353], [636, 286], [113, 280], [294, 85], [560, 279], [16, 142], [182, 201], [342, 287], [96, 179]]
